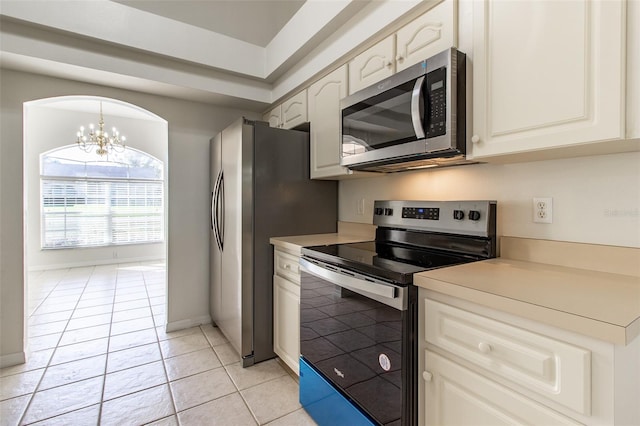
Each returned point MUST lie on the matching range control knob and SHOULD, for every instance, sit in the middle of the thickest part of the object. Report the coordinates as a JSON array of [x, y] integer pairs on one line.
[[474, 215], [458, 214], [378, 211], [388, 212]]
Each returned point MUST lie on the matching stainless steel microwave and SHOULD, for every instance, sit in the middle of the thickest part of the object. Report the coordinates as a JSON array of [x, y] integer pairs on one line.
[[413, 119]]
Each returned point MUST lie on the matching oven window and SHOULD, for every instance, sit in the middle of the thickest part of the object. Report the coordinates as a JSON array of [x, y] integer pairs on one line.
[[356, 343]]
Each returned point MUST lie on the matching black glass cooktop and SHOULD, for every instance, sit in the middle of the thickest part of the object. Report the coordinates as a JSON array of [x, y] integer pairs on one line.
[[382, 260]]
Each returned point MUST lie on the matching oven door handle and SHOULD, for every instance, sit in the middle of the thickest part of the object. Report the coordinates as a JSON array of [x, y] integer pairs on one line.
[[384, 293]]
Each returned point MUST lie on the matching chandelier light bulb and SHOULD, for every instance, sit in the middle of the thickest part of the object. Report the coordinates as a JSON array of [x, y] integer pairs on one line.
[[99, 139]]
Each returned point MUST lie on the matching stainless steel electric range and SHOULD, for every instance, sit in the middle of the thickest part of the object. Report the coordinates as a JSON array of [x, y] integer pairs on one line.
[[358, 308]]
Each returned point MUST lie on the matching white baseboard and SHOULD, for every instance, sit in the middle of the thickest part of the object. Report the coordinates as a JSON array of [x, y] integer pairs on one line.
[[10, 360], [32, 268], [187, 323]]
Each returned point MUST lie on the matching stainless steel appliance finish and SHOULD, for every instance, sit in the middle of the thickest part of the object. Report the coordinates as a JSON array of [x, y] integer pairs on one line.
[[413, 119], [260, 189], [358, 307]]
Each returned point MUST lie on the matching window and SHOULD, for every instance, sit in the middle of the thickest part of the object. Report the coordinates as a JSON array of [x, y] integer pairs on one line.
[[89, 201]]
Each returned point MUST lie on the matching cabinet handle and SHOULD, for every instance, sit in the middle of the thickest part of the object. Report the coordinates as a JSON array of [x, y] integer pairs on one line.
[[485, 348], [389, 64], [427, 376], [475, 138], [399, 58]]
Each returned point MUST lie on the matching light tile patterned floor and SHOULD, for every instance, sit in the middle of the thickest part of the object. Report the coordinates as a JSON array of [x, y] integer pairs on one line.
[[98, 355]]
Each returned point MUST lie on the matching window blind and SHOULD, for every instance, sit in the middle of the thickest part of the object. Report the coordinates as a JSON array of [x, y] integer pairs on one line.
[[88, 212]]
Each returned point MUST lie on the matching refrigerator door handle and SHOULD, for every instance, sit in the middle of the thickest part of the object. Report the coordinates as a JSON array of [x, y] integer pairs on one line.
[[212, 210], [215, 213], [222, 211]]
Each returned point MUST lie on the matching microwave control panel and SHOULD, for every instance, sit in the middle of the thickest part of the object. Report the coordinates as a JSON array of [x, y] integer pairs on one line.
[[436, 88]]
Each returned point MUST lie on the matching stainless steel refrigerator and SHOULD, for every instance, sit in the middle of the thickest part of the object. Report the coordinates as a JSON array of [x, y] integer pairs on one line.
[[260, 188]]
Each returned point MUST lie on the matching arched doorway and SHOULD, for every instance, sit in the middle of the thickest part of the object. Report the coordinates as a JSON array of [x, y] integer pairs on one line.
[[49, 125]]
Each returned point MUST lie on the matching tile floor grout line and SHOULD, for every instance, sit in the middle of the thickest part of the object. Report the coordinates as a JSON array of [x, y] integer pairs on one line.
[[246, 403], [164, 367], [45, 298], [35, 389], [223, 353], [106, 358]]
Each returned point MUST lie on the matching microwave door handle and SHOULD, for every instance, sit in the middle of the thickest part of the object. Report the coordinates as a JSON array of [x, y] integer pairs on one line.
[[417, 108]]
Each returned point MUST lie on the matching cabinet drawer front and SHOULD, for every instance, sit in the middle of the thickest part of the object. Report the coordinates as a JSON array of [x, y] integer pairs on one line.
[[457, 396], [286, 266], [556, 370]]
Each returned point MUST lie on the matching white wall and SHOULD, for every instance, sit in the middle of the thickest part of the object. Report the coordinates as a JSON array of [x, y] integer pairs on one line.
[[48, 128], [191, 125], [595, 199]]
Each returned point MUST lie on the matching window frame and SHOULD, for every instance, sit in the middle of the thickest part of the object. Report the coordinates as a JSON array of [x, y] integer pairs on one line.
[[106, 185]]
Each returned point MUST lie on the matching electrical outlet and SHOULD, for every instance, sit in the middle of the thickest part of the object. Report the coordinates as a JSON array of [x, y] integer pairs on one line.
[[543, 209]]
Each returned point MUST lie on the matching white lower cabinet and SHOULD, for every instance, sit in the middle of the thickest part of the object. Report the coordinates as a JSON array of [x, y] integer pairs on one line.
[[286, 308], [455, 395], [485, 367]]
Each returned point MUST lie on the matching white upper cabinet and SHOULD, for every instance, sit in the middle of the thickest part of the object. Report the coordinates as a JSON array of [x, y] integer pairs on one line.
[[274, 117], [427, 35], [324, 115], [290, 113], [372, 65], [547, 74], [294, 110]]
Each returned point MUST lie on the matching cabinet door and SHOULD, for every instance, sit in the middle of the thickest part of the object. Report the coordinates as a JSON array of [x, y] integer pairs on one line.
[[294, 110], [286, 321], [455, 395], [546, 74], [372, 65], [274, 117], [427, 35], [553, 369], [633, 65], [324, 114]]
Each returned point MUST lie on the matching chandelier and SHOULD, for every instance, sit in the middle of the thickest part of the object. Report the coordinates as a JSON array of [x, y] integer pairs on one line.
[[103, 142]]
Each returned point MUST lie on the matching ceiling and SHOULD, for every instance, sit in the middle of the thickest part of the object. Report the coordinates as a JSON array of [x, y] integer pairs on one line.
[[228, 17], [243, 54]]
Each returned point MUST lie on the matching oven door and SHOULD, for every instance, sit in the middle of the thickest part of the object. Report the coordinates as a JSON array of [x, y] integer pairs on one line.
[[357, 334]]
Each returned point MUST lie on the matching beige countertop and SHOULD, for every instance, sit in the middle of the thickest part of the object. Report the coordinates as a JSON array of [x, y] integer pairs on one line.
[[600, 303], [348, 232]]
